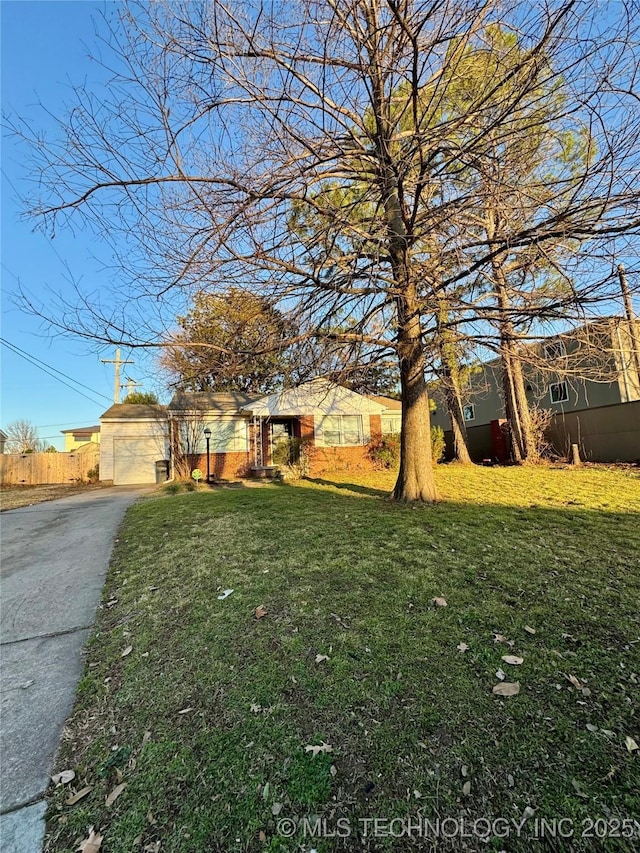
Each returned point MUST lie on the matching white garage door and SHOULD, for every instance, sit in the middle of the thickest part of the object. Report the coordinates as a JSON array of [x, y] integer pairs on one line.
[[134, 460]]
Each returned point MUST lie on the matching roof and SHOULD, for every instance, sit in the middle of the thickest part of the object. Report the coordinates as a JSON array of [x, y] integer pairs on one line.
[[82, 430], [388, 402], [134, 412], [317, 397], [223, 402]]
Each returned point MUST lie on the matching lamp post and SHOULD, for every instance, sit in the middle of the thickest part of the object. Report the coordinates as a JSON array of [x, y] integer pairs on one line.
[[207, 435]]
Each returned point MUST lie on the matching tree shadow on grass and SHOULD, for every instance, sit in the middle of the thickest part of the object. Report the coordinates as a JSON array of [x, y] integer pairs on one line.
[[350, 487]]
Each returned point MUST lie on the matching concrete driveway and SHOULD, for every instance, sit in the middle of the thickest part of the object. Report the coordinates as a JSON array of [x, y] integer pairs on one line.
[[54, 560]]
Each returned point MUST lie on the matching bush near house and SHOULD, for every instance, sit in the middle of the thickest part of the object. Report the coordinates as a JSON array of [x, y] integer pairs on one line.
[[209, 706], [384, 452]]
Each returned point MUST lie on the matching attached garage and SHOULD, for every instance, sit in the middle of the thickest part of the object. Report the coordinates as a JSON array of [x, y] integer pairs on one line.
[[133, 439]]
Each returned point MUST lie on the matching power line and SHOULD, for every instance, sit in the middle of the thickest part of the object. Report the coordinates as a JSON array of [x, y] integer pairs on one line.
[[35, 362]]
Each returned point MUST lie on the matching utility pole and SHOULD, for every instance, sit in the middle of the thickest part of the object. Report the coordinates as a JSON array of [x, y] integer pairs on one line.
[[628, 310], [131, 384], [118, 362]]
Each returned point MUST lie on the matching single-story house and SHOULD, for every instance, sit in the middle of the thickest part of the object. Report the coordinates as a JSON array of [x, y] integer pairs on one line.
[[332, 423], [81, 438]]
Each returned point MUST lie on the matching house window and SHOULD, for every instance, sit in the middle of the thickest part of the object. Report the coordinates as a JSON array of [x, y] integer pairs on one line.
[[559, 392], [390, 424], [226, 437], [342, 430], [469, 412], [554, 350]]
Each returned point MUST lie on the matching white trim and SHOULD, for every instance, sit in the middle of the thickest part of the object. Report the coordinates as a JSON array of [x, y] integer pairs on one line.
[[559, 385]]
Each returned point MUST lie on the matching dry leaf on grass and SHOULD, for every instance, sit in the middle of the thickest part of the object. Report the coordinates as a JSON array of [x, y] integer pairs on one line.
[[92, 843], [316, 750], [439, 601], [576, 683], [529, 629], [466, 789], [500, 638], [514, 660], [63, 778], [501, 675], [507, 688], [262, 836], [185, 710], [260, 612], [81, 794], [462, 647], [113, 796], [321, 658], [276, 808], [127, 651], [632, 746]]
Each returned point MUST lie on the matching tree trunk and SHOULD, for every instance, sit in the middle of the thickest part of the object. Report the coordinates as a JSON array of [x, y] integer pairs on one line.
[[458, 425], [416, 480], [523, 442]]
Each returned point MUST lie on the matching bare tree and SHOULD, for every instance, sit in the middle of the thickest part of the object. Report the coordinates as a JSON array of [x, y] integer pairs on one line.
[[22, 437], [308, 150]]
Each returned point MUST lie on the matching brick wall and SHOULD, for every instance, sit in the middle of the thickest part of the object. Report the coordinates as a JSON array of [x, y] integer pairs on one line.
[[223, 466]]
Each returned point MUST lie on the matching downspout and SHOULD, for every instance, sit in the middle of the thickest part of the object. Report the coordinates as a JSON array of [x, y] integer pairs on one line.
[[172, 467]]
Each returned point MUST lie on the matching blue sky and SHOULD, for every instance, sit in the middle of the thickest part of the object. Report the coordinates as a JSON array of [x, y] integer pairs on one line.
[[45, 48]]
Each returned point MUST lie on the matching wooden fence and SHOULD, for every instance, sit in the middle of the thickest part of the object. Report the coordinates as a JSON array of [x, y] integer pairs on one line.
[[34, 469]]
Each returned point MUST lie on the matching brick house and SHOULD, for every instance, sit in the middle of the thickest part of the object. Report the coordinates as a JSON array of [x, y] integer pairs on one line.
[[333, 424]]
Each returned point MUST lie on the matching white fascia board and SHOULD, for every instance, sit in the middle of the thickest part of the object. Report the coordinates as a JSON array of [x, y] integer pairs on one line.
[[315, 398]]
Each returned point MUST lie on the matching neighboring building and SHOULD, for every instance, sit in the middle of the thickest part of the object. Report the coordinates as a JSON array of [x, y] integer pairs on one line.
[[589, 379], [81, 438], [335, 426], [3, 439]]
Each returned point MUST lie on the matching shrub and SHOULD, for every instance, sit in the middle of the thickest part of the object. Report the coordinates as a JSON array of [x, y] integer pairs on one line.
[[172, 488], [292, 455], [93, 475], [384, 452], [437, 443]]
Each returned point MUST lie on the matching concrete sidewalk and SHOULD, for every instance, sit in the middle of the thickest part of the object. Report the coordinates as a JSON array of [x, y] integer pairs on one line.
[[54, 561]]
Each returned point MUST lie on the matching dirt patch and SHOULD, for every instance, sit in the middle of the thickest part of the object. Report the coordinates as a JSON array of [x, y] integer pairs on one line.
[[14, 497]]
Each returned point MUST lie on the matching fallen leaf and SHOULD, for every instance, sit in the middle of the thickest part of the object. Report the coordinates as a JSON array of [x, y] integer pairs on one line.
[[260, 612], [262, 836], [151, 818], [92, 843], [462, 647], [127, 651], [265, 791], [113, 796], [466, 789], [146, 737], [500, 638], [439, 601], [333, 770], [255, 709], [154, 847], [276, 808], [514, 660], [507, 688], [529, 629], [225, 594], [316, 750], [577, 787], [591, 727], [321, 658], [576, 683], [528, 813], [63, 778], [632, 746], [464, 770], [185, 710], [75, 798], [501, 675]]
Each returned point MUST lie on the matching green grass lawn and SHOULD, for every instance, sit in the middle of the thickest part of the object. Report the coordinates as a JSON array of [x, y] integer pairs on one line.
[[207, 718]]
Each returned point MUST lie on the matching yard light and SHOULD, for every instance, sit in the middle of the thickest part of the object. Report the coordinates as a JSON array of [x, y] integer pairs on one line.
[[207, 435]]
